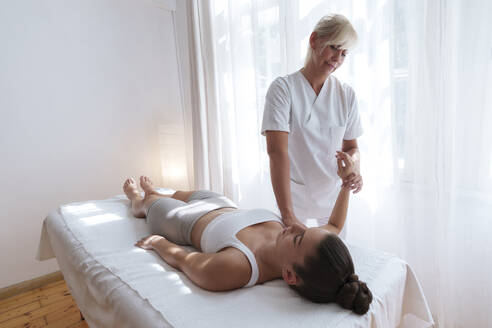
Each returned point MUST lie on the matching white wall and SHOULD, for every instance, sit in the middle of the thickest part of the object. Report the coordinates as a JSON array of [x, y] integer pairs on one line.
[[88, 93]]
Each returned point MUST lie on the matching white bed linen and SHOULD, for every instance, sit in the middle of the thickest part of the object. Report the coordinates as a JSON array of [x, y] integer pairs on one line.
[[118, 285]]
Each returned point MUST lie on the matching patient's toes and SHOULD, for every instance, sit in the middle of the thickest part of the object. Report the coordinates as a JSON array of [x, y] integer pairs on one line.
[[146, 184], [130, 188]]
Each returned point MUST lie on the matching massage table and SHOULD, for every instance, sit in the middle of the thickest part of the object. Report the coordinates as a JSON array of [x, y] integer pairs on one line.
[[116, 284]]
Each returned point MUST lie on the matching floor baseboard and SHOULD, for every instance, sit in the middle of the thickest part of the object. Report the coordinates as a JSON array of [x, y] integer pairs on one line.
[[28, 285]]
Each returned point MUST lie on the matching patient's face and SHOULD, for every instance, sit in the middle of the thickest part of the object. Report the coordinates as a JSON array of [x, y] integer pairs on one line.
[[297, 242]]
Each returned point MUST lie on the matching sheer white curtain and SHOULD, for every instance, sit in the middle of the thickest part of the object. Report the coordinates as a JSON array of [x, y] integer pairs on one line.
[[427, 155], [422, 73], [229, 153]]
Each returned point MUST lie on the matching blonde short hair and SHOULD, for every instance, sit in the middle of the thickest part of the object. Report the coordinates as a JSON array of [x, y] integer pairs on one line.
[[333, 29]]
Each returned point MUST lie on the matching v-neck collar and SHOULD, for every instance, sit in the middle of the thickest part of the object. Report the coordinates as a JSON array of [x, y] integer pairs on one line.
[[313, 93]]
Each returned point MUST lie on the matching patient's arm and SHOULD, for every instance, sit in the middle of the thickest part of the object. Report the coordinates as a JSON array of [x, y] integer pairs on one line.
[[225, 270], [339, 212]]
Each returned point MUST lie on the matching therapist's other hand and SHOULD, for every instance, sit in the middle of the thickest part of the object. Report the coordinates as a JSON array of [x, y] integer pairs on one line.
[[345, 165], [291, 220], [348, 171], [354, 182]]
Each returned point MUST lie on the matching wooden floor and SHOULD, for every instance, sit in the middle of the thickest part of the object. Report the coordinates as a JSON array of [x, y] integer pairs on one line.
[[49, 306]]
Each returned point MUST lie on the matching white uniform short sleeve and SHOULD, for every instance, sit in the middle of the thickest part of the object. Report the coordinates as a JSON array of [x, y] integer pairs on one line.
[[277, 115], [354, 126]]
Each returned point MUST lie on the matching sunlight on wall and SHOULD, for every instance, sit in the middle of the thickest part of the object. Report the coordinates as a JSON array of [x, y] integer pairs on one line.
[[173, 156], [173, 172]]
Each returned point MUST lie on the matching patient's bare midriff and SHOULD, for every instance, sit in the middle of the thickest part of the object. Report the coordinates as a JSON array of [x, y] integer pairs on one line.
[[201, 224]]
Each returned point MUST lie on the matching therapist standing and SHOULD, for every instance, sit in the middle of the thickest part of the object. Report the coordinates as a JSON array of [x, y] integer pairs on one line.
[[309, 115]]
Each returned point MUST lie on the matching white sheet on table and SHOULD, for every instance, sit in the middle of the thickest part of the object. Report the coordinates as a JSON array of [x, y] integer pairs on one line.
[[105, 231]]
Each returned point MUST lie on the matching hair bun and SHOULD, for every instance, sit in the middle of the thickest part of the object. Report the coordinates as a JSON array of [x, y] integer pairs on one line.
[[353, 278], [354, 295]]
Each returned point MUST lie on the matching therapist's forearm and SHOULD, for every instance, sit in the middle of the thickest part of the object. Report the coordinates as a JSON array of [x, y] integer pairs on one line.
[[280, 175]]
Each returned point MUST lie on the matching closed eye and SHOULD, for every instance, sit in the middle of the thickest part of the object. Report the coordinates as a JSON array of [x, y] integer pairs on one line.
[[295, 238], [301, 235]]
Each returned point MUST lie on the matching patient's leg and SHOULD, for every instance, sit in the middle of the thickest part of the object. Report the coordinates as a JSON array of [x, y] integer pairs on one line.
[[167, 216], [148, 186], [131, 191], [151, 195]]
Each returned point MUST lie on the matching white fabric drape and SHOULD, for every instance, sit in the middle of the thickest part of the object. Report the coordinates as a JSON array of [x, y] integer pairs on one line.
[[229, 153], [206, 156], [422, 73]]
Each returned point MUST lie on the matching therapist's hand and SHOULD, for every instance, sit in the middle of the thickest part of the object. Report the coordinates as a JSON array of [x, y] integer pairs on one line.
[[349, 172], [354, 182], [291, 220]]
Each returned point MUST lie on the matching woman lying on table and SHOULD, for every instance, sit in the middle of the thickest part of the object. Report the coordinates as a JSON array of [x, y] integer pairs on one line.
[[241, 248]]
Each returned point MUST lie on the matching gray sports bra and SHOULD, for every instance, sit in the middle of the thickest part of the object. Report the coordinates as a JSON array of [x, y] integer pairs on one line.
[[221, 233]]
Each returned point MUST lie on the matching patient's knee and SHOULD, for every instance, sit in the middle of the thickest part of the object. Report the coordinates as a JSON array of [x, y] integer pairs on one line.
[[182, 195], [139, 214]]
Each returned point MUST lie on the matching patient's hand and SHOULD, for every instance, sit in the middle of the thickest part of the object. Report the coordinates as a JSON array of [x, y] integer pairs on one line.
[[149, 241], [346, 165]]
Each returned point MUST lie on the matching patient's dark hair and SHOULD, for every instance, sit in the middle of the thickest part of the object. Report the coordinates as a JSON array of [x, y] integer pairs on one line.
[[328, 276]]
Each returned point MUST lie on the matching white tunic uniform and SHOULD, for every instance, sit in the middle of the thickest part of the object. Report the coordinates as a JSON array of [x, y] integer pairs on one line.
[[317, 125]]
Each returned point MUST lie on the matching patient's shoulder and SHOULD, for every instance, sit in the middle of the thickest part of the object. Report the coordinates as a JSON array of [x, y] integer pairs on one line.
[[228, 269], [234, 260]]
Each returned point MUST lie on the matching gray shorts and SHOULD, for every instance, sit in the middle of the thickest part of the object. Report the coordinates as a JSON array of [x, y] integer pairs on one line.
[[174, 219]]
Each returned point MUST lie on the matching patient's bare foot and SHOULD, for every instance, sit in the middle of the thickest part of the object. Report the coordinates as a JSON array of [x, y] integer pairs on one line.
[[147, 185], [131, 191]]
